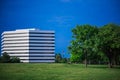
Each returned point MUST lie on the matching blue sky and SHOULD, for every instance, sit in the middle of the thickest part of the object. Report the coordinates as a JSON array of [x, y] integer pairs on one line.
[[58, 15]]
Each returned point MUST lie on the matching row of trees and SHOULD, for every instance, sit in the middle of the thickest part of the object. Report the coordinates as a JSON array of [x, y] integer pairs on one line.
[[60, 59], [93, 44], [5, 58]]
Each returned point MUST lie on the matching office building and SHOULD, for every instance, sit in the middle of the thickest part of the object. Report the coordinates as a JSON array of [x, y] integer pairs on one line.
[[30, 45]]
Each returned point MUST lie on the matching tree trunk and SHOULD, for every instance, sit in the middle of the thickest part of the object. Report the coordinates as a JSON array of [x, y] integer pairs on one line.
[[110, 57], [85, 63], [110, 63], [85, 59]]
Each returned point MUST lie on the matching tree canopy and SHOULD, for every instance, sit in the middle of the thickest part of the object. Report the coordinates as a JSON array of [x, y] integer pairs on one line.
[[91, 43]]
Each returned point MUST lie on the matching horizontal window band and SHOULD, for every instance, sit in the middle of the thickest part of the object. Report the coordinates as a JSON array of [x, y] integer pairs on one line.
[[19, 56], [31, 56], [41, 52], [24, 59], [42, 46], [42, 39], [42, 49], [22, 51], [41, 42], [27, 36], [26, 46], [41, 56], [19, 53], [33, 53], [41, 59], [16, 40], [16, 43], [13, 46], [31, 43], [41, 36], [40, 33], [24, 37], [15, 50], [15, 37], [26, 33], [30, 48], [37, 59], [26, 49], [15, 33], [28, 40]]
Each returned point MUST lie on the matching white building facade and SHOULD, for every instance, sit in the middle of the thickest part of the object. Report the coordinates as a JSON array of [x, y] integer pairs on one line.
[[30, 45]]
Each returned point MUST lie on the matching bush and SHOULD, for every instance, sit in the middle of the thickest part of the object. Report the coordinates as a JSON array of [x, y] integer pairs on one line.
[[58, 58], [15, 60], [0, 59], [64, 60], [5, 58]]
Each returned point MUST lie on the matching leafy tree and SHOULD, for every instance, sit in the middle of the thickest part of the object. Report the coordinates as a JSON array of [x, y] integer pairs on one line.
[[15, 60], [96, 44], [58, 58], [0, 59], [109, 36], [82, 43], [64, 60], [75, 51], [5, 58]]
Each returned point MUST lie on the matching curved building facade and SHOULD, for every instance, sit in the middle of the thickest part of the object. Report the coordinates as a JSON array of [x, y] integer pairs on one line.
[[30, 45]]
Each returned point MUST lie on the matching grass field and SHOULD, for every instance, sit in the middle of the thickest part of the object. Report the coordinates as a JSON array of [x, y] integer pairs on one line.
[[53, 71]]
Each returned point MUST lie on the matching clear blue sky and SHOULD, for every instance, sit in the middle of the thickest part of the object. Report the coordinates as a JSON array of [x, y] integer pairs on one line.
[[58, 15]]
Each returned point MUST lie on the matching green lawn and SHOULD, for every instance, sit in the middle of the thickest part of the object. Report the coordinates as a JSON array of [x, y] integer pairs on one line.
[[53, 71]]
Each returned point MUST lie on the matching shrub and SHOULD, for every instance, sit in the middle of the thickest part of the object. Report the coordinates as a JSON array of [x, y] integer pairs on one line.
[[5, 58], [58, 58], [15, 60], [64, 60], [0, 59]]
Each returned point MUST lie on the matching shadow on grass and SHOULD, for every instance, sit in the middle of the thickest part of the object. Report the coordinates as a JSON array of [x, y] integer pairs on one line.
[[103, 66]]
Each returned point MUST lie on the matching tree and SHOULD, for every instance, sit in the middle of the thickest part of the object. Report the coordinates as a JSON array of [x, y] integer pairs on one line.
[[109, 36], [58, 58], [75, 51], [15, 60], [5, 58], [64, 60], [101, 43], [82, 43]]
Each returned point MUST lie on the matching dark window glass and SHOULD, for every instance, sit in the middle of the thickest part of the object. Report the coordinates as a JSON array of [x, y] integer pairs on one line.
[[40, 33]]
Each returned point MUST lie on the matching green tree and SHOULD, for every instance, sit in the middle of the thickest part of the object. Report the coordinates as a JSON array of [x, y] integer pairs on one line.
[[101, 43], [58, 58], [64, 60], [109, 36], [5, 58], [82, 43], [15, 60]]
